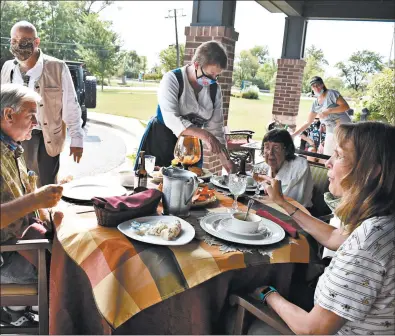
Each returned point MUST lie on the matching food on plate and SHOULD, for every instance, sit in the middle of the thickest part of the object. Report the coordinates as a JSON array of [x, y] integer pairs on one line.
[[198, 171], [172, 231], [203, 194], [167, 231], [156, 229]]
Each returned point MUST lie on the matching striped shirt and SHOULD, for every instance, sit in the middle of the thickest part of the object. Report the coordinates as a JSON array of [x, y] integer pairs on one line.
[[359, 283]]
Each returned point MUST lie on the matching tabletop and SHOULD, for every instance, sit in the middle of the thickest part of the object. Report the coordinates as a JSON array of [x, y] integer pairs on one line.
[[128, 276]]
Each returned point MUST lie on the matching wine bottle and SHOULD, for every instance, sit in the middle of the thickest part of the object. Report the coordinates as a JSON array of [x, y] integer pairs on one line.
[[141, 175]]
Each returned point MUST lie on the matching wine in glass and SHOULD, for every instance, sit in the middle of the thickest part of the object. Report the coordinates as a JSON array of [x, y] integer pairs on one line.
[[187, 150], [237, 186], [258, 170]]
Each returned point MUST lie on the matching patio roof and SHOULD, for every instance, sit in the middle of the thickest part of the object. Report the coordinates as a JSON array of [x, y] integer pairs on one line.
[[363, 10]]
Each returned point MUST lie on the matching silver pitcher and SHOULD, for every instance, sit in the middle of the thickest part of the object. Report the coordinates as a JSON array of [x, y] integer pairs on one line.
[[179, 186]]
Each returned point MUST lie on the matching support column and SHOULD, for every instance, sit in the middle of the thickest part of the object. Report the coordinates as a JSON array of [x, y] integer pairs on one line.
[[288, 90], [290, 72]]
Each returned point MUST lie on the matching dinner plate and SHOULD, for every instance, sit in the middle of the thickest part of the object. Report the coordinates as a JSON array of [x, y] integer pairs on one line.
[[204, 203], [218, 181], [157, 177], [206, 174], [261, 231], [85, 188], [212, 225], [128, 228]]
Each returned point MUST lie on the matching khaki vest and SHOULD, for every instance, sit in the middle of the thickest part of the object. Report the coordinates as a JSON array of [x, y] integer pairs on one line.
[[49, 86]]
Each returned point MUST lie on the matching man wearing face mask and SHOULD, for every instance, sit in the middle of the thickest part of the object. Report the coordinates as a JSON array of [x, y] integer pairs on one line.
[[58, 109], [330, 107], [190, 103]]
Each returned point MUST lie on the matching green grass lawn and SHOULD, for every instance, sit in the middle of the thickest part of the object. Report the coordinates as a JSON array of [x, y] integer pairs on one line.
[[244, 113]]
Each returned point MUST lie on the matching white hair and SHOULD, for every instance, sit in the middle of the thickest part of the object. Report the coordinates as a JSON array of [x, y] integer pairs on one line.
[[24, 25], [14, 95]]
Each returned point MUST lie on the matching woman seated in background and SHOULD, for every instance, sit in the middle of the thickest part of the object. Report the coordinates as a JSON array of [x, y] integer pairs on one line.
[[355, 295], [278, 150]]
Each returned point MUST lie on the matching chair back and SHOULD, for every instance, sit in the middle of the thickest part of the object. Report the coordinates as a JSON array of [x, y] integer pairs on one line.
[[321, 185]]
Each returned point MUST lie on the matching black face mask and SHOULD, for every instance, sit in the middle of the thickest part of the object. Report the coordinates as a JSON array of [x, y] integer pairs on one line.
[[22, 50]]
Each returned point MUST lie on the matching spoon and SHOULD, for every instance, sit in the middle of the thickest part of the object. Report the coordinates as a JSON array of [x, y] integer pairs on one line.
[[250, 203]]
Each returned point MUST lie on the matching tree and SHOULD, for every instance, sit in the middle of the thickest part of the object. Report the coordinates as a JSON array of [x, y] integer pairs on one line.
[[60, 24], [101, 58], [143, 63], [315, 62], [129, 64], [247, 66], [168, 57], [360, 65], [334, 83], [261, 53], [267, 72], [381, 92]]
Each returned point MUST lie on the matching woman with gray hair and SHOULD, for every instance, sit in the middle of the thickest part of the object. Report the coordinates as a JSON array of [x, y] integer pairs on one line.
[[190, 103]]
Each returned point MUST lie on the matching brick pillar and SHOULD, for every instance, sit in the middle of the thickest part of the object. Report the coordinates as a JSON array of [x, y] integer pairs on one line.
[[196, 35], [288, 90]]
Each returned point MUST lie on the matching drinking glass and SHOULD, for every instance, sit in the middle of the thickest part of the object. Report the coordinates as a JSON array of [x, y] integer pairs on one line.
[[237, 186], [187, 150], [257, 170], [150, 163]]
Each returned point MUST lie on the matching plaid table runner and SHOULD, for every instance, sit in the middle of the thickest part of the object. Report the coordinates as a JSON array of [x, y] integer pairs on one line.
[[128, 276]]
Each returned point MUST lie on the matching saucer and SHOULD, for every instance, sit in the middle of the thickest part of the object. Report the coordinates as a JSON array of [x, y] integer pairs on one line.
[[262, 230]]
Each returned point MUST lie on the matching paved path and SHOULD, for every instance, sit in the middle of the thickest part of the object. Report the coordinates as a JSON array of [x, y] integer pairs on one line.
[[108, 140]]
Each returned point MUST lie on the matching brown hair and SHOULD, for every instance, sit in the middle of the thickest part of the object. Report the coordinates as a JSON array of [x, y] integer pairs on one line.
[[370, 184], [211, 53]]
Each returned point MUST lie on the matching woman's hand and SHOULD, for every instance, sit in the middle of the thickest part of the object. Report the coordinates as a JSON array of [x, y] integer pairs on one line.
[[273, 189]]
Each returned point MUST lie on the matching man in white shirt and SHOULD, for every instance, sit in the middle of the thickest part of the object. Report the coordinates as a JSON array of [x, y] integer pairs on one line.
[[59, 108]]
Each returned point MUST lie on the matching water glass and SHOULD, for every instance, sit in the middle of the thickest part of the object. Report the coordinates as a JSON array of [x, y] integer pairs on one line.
[[150, 163], [237, 186], [257, 170]]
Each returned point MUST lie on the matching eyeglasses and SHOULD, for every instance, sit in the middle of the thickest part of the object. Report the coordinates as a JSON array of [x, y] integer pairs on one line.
[[276, 149], [209, 77]]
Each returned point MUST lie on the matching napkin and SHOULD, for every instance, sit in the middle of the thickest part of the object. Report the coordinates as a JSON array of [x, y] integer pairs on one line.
[[126, 203], [287, 227]]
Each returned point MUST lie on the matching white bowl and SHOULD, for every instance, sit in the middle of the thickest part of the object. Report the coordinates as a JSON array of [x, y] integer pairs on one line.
[[237, 224], [126, 178]]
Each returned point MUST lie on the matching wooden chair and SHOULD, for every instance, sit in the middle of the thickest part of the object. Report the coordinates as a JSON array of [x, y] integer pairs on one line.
[[262, 312], [234, 140], [29, 295]]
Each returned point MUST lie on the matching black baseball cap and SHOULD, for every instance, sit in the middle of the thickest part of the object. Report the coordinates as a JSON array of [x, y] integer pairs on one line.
[[316, 79]]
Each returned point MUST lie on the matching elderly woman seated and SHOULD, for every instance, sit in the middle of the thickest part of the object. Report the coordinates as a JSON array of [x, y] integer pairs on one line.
[[278, 150], [355, 295]]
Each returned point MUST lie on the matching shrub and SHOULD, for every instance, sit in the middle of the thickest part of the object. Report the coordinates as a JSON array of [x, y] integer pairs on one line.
[[153, 76], [251, 93], [381, 93], [260, 84]]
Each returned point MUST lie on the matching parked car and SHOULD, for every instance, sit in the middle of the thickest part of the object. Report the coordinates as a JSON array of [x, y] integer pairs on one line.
[[85, 87]]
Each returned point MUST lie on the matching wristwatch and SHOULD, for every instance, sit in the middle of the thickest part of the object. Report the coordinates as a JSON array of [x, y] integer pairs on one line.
[[266, 292]]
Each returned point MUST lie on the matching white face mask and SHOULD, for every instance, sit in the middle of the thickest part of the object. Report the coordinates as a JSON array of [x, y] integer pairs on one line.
[[319, 94]]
